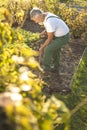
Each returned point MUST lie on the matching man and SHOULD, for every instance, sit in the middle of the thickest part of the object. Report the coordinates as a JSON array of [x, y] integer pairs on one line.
[[57, 35]]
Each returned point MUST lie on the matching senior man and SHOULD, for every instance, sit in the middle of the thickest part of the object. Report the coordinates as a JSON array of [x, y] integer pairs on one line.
[[57, 35]]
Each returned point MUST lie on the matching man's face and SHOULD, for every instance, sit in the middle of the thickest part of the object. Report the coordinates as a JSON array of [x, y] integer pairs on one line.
[[37, 19]]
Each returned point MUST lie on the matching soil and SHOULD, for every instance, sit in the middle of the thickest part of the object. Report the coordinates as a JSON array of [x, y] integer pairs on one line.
[[70, 58]]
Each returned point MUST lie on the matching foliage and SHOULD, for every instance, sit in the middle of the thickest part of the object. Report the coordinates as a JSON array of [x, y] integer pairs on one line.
[[75, 19], [29, 37], [11, 46], [15, 11], [24, 106]]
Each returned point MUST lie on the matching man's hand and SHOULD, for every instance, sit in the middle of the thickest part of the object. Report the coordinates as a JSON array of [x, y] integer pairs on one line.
[[41, 50], [46, 43], [43, 34]]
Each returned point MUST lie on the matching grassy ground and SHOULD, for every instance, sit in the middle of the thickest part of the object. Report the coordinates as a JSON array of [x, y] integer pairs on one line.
[[77, 99]]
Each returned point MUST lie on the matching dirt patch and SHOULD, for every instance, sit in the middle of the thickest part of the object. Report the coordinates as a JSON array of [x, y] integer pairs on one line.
[[32, 26], [70, 57]]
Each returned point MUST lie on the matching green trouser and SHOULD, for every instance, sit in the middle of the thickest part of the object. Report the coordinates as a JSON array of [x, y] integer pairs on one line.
[[52, 52]]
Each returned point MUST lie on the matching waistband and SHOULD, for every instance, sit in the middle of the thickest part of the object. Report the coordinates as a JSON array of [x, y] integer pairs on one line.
[[61, 36]]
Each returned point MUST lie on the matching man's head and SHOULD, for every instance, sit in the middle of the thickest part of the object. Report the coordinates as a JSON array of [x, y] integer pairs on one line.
[[36, 15]]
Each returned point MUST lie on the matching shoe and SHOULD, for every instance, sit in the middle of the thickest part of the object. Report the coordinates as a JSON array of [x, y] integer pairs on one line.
[[50, 70]]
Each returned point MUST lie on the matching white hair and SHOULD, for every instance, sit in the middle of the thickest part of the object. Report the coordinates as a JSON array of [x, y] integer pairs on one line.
[[35, 11]]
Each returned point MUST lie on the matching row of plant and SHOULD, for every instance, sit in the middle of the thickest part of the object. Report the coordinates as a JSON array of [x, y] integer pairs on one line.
[[22, 103], [73, 13]]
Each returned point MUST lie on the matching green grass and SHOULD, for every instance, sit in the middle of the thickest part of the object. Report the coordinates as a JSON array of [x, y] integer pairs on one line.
[[76, 97]]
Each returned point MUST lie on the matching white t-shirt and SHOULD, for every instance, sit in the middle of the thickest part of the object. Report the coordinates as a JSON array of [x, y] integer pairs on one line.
[[56, 25]]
